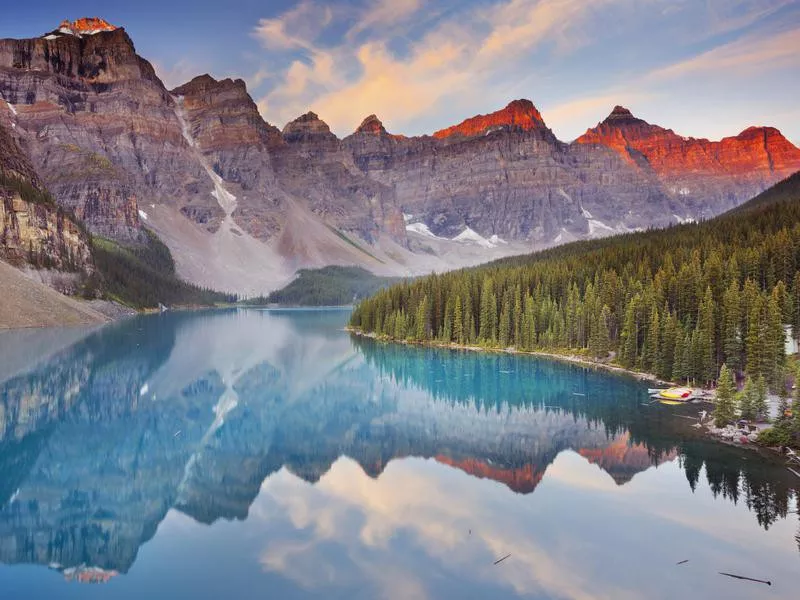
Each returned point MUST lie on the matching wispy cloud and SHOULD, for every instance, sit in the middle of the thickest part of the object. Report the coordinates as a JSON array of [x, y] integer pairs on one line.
[[178, 73], [298, 27], [384, 13], [752, 53]]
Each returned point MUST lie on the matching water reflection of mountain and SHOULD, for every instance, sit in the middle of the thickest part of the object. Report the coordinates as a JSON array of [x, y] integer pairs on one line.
[[193, 412]]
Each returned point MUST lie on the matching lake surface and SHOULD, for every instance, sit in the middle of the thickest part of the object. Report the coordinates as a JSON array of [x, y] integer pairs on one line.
[[266, 454]]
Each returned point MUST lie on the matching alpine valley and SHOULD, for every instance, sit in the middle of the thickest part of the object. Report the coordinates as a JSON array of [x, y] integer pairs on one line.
[[243, 205]]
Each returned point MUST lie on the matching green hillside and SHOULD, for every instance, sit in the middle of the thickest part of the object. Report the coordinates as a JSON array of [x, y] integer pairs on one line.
[[677, 302], [143, 275], [329, 286]]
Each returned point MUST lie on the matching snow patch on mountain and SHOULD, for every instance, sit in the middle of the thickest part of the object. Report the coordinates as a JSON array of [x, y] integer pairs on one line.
[[600, 229], [422, 229], [471, 236]]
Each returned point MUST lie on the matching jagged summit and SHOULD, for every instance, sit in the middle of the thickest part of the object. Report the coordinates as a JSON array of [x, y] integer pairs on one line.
[[371, 124], [206, 82], [521, 114], [82, 26], [306, 127], [620, 114]]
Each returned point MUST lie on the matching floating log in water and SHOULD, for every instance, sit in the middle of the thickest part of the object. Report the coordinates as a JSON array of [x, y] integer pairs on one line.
[[682, 562], [793, 471], [745, 578], [499, 560]]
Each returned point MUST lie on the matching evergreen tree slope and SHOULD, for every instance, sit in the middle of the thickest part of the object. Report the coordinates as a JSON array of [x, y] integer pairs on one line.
[[328, 286], [143, 275], [677, 302]]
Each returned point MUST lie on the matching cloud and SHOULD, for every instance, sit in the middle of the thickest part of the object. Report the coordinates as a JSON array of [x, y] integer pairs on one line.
[[451, 59], [725, 16], [753, 53], [385, 13], [178, 73], [297, 28]]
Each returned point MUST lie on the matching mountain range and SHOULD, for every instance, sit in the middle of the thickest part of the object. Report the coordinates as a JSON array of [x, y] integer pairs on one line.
[[242, 204]]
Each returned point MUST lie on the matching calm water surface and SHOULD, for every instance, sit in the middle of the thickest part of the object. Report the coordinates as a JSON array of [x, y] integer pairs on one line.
[[255, 454]]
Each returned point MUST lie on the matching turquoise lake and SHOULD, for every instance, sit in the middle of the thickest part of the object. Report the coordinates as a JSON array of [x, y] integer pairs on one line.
[[268, 454]]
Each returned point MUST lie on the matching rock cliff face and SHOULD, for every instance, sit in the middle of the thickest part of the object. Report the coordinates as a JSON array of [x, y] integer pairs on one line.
[[313, 164], [242, 204], [506, 175], [229, 131], [519, 115], [99, 125], [32, 229], [709, 177]]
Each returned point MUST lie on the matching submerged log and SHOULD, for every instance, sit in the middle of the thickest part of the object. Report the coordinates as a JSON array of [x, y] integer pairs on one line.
[[745, 578]]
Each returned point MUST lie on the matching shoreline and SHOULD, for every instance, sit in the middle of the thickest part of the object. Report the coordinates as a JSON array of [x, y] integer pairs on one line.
[[569, 358], [707, 428]]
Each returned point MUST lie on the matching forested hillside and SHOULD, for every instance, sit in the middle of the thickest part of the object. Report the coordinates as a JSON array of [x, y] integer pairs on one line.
[[143, 275], [677, 302], [329, 286]]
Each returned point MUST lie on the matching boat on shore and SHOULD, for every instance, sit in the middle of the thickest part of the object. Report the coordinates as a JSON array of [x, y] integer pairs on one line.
[[677, 395]]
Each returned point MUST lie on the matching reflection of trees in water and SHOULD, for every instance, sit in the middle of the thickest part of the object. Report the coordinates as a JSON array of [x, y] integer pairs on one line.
[[764, 485], [495, 380]]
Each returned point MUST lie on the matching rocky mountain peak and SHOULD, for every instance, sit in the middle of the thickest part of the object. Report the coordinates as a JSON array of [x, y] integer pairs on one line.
[[83, 26], [206, 83], [307, 127], [620, 115], [618, 127], [519, 114], [371, 125]]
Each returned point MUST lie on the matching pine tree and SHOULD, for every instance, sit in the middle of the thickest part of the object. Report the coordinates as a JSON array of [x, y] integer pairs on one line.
[[421, 326], [759, 402], [652, 342], [795, 306], [724, 403], [747, 400], [629, 339], [517, 317], [731, 323], [458, 322], [796, 413], [783, 397], [706, 362], [488, 315], [603, 340], [505, 323], [447, 327], [776, 340]]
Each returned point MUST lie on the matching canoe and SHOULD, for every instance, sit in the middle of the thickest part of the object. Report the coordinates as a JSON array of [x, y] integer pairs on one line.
[[677, 393]]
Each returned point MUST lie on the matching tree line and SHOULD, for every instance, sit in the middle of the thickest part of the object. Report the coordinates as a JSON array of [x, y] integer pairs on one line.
[[678, 303]]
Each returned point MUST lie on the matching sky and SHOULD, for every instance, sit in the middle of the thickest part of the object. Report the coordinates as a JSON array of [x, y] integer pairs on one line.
[[704, 68]]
